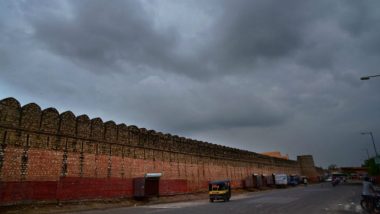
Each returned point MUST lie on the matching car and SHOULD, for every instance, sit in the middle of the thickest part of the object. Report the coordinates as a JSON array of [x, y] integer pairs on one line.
[[328, 179]]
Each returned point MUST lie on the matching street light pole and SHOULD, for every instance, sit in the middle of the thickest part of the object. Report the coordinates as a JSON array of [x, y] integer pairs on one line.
[[369, 77], [373, 141], [367, 153]]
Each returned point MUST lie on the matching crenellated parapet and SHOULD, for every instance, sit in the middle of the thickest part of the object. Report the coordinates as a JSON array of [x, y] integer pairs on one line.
[[83, 128], [47, 128], [122, 134], [10, 111]]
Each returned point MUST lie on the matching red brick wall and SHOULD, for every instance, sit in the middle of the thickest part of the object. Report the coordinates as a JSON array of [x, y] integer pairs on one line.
[[43, 165], [172, 187], [11, 169], [49, 156], [26, 191]]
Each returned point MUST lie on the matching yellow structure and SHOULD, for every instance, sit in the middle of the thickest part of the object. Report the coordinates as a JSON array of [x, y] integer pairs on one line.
[[276, 154]]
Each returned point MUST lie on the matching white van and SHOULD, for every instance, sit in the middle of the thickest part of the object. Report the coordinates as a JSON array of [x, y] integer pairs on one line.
[[280, 179]]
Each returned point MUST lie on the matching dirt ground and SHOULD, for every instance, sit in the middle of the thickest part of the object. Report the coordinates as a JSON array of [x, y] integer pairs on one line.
[[65, 207]]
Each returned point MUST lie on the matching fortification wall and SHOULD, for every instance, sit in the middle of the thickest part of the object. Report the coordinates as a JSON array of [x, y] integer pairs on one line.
[[45, 155], [307, 167]]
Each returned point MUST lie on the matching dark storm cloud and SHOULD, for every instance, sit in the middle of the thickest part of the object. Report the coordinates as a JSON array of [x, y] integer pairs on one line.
[[359, 17], [309, 33], [261, 29], [103, 36], [361, 21], [252, 31]]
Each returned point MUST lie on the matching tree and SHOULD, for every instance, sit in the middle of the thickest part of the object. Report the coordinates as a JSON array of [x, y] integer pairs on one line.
[[332, 167], [373, 168]]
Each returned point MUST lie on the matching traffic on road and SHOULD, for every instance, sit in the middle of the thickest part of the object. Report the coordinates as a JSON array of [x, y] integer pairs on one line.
[[316, 198]]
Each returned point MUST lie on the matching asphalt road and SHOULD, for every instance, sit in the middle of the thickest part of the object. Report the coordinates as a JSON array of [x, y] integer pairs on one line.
[[319, 198]]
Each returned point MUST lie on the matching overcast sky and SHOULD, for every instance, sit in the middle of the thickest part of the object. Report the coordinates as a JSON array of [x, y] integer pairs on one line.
[[258, 75]]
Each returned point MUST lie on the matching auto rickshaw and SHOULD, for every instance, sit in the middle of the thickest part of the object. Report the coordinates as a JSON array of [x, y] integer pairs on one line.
[[219, 190]]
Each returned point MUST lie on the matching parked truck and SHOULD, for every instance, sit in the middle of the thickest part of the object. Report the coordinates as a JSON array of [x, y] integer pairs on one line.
[[280, 180]]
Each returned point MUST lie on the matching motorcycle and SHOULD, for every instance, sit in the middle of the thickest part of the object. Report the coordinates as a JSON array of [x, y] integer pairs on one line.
[[335, 182], [370, 204]]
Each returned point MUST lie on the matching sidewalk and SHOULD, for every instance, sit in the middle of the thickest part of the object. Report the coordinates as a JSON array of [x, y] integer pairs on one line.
[[65, 207], [103, 204]]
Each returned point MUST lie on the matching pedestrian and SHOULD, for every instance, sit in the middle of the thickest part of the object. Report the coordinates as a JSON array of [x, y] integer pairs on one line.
[[305, 181]]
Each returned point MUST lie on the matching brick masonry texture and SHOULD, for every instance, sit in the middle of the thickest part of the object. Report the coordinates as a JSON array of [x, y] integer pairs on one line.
[[49, 156]]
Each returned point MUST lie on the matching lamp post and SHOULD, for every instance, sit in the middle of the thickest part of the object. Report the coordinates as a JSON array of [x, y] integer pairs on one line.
[[373, 141], [369, 77], [367, 153]]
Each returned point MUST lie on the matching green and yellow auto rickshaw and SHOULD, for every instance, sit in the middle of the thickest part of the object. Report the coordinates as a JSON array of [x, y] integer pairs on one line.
[[219, 190]]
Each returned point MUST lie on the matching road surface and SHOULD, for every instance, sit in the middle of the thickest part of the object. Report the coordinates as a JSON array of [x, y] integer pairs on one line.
[[319, 198]]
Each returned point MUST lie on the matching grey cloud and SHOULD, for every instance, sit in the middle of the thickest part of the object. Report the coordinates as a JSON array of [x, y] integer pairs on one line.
[[99, 35], [358, 17], [261, 30], [221, 112], [185, 107], [360, 20]]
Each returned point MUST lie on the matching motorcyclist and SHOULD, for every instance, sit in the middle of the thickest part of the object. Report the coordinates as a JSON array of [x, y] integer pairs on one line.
[[368, 192], [335, 181], [368, 189]]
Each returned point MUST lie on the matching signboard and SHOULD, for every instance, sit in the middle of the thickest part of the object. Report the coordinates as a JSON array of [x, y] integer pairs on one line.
[[153, 175]]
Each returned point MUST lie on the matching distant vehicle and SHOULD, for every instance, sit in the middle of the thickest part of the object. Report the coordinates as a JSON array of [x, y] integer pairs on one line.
[[293, 180], [219, 190], [354, 176], [335, 182], [340, 177], [328, 179], [281, 180]]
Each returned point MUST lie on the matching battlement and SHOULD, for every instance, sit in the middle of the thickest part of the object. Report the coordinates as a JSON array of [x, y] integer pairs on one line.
[[49, 122]]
